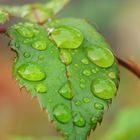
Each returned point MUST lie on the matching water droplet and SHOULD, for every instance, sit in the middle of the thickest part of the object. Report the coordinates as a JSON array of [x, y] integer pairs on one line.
[[65, 56], [82, 86], [79, 120], [87, 72], [85, 61], [76, 65], [82, 81], [99, 106], [24, 31], [94, 120], [39, 45], [67, 37], [66, 92], [62, 113], [86, 100], [41, 88], [103, 88], [40, 57], [31, 72], [27, 55], [112, 75], [78, 103], [100, 56], [93, 71]]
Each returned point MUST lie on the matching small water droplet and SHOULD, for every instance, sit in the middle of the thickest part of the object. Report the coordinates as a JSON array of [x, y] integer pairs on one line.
[[87, 72], [67, 37], [82, 86], [39, 45], [65, 56], [62, 113], [79, 120], [66, 92], [78, 103], [93, 71], [27, 55], [99, 106], [112, 75], [86, 100], [82, 81], [24, 31], [41, 88], [103, 88], [100, 56], [76, 65], [94, 120], [40, 57], [31, 72], [85, 61]]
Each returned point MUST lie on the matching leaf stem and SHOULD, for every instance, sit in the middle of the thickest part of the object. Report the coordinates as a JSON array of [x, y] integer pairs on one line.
[[130, 65]]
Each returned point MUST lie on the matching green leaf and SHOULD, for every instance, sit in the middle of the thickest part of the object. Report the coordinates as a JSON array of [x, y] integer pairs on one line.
[[3, 16], [68, 65], [36, 12], [126, 126]]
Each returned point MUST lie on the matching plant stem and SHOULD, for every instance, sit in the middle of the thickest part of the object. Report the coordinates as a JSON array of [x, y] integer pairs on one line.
[[130, 65]]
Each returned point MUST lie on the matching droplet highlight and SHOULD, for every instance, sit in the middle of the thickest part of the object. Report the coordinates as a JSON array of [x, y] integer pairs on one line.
[[31, 72]]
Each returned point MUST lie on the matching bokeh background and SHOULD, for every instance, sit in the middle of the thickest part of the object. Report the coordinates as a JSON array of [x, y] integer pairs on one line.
[[119, 22]]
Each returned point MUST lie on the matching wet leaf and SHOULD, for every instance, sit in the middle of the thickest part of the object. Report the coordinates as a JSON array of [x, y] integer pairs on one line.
[[66, 64]]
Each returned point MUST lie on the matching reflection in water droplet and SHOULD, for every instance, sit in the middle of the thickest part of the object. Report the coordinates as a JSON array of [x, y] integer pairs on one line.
[[78, 103], [85, 61], [87, 72], [79, 120], [86, 100], [31, 72], [66, 92], [41, 88], [100, 56], [99, 106], [24, 31], [112, 75], [62, 113], [82, 86], [103, 88], [27, 55], [39, 45], [65, 56], [67, 37]]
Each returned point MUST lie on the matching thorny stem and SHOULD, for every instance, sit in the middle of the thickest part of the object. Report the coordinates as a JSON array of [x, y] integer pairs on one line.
[[128, 64]]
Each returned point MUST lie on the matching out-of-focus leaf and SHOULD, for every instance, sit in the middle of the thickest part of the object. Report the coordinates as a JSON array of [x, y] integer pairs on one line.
[[126, 126], [3, 16], [36, 12]]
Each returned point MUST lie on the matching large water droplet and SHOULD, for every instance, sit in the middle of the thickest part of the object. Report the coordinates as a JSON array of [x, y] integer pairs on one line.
[[99, 106], [87, 72], [66, 92], [103, 88], [62, 113], [85, 61], [67, 37], [79, 120], [39, 45], [100, 56], [24, 31], [65, 56], [41, 88], [31, 72]]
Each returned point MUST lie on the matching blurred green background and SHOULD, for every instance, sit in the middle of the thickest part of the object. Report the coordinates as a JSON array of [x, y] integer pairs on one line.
[[119, 22]]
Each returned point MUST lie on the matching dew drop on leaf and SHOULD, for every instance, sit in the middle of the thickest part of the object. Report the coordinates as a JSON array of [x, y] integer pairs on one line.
[[85, 61], [112, 75], [67, 37], [27, 55], [86, 100], [39, 45], [93, 71], [87, 72], [98, 106], [100, 56], [65, 91], [79, 120], [103, 88], [78, 103], [65, 56], [31, 72], [62, 113], [82, 86], [24, 31], [94, 120], [41, 88], [40, 57]]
